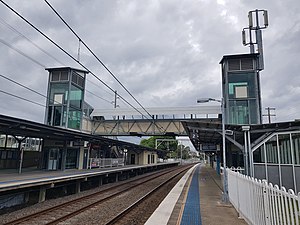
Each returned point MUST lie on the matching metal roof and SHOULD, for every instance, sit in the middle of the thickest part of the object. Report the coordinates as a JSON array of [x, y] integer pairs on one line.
[[65, 68], [238, 56], [211, 131], [24, 128]]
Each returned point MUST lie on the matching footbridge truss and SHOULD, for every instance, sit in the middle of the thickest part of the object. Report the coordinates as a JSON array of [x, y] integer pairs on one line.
[[164, 120]]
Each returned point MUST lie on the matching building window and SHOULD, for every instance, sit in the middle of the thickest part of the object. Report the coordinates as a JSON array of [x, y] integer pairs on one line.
[[240, 64], [241, 92], [59, 76], [74, 119], [57, 116], [234, 64], [259, 155], [238, 112], [271, 150], [242, 79], [247, 64], [285, 149], [57, 89], [296, 147], [78, 79], [64, 76], [58, 99], [76, 96]]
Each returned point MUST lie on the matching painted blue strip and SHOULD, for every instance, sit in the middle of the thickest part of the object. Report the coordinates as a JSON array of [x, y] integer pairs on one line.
[[191, 214]]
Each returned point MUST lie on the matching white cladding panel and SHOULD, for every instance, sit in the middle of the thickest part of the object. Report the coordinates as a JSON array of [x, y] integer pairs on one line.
[[215, 109]]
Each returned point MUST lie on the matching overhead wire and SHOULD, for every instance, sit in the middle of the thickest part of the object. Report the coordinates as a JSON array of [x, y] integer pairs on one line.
[[100, 61], [36, 92], [68, 54], [19, 97], [35, 61], [22, 53], [15, 82], [96, 85], [40, 64], [2, 21], [23, 36], [98, 96]]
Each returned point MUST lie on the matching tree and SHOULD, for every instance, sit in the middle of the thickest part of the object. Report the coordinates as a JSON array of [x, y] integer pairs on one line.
[[166, 145], [186, 151]]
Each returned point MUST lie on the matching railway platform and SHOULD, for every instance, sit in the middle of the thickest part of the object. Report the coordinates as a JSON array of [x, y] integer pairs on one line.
[[196, 199], [34, 184]]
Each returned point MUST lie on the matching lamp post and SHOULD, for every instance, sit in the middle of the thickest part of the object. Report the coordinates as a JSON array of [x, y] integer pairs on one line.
[[125, 156], [225, 197]]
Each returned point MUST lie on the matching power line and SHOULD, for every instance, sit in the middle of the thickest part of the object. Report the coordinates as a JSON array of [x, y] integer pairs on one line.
[[36, 92], [16, 96], [68, 54], [22, 53], [35, 61], [107, 69], [23, 36], [99, 87], [13, 81], [98, 96]]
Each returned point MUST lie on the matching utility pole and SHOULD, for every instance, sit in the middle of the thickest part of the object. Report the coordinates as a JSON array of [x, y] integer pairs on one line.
[[115, 102], [269, 113], [114, 117], [78, 52]]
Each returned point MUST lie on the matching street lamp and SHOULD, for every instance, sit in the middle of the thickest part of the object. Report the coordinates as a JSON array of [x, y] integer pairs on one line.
[[125, 156], [225, 197]]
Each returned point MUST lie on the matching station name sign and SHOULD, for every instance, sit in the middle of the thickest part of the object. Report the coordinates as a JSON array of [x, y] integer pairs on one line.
[[209, 147]]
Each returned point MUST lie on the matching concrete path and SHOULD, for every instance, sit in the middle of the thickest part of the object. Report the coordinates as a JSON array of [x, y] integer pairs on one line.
[[213, 212]]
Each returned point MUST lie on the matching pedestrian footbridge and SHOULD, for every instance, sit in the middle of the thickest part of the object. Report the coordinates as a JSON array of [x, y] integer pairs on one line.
[[158, 121]]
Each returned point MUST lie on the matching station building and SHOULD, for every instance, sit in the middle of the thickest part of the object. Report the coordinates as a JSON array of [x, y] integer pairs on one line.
[[26, 144]]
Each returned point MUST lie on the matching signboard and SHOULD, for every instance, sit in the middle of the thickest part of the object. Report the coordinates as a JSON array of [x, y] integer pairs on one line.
[[209, 147]]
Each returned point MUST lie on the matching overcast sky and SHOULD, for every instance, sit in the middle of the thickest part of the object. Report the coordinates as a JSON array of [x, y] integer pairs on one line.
[[166, 52]]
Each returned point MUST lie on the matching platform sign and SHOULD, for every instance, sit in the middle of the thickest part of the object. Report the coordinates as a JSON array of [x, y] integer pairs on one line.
[[208, 147]]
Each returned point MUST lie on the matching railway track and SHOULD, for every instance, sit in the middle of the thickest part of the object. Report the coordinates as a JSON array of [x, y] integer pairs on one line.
[[123, 217], [70, 209]]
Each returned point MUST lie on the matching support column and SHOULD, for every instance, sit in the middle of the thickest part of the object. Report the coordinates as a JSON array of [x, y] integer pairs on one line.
[[77, 188], [63, 157], [42, 194], [246, 153], [81, 158], [100, 181], [250, 156], [26, 197]]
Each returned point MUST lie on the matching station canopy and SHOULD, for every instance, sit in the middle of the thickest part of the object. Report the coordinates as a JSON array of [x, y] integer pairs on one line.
[[210, 131], [28, 129]]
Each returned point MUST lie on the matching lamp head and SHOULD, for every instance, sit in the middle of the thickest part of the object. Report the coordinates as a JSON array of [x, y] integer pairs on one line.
[[203, 100]]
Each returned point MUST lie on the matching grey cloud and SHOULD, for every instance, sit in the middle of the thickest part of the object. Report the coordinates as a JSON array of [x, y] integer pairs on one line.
[[166, 53]]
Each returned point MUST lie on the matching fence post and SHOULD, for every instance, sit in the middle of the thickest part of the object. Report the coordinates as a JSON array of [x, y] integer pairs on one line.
[[266, 204], [237, 175]]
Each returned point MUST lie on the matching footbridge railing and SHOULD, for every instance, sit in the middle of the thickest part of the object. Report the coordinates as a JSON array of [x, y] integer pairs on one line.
[[163, 120]]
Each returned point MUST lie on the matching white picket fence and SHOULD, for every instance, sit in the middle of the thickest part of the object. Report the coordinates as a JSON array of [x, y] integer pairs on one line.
[[260, 203]]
